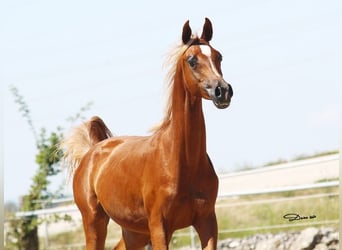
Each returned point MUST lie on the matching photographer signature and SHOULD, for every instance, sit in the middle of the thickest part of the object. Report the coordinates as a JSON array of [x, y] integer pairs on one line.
[[294, 216]]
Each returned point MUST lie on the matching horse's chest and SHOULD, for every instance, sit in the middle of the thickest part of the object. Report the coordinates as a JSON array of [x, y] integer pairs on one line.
[[200, 200], [195, 199], [183, 209]]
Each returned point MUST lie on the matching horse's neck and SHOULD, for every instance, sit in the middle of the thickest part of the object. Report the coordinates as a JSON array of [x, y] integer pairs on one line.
[[187, 127]]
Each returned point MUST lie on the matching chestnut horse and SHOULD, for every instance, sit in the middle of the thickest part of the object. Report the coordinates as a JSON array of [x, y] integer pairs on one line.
[[154, 185]]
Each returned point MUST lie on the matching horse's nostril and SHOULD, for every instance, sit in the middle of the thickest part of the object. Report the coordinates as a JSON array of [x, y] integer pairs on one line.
[[218, 91], [231, 92]]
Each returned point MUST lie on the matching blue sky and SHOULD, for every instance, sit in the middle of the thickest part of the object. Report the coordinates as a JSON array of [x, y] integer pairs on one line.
[[283, 59]]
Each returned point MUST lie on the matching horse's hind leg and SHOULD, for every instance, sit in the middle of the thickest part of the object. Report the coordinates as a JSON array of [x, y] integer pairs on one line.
[[95, 222]]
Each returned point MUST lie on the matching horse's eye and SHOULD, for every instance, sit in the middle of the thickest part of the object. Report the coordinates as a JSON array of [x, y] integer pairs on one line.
[[192, 61], [219, 57]]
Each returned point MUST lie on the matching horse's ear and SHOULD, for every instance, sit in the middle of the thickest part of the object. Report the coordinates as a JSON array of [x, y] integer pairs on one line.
[[186, 35], [207, 32]]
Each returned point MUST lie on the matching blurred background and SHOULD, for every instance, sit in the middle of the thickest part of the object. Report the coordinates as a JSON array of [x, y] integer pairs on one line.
[[75, 59]]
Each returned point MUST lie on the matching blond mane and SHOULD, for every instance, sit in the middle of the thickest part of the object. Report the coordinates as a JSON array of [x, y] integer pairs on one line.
[[170, 63]]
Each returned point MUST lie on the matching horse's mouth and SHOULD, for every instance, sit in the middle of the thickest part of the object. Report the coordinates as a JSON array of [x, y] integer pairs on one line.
[[221, 105]]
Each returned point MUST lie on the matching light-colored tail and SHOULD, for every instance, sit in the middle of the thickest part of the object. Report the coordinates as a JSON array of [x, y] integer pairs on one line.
[[80, 139]]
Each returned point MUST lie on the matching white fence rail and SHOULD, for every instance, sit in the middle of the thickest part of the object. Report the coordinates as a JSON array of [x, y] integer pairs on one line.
[[290, 176], [73, 208], [281, 189], [284, 175]]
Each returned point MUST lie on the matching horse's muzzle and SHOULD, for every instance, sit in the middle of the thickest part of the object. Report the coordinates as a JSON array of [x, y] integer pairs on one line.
[[221, 94]]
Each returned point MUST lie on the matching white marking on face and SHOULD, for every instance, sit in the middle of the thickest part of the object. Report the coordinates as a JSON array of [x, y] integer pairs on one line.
[[206, 50]]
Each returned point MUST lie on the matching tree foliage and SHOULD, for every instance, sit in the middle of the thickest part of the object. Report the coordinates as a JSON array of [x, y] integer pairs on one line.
[[25, 232]]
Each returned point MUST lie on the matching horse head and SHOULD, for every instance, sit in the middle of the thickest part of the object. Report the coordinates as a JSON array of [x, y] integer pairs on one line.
[[202, 67]]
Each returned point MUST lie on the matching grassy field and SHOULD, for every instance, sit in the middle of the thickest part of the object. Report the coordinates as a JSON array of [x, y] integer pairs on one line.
[[247, 215], [268, 210]]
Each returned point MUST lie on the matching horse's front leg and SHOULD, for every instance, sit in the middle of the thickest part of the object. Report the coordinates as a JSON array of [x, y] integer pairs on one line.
[[158, 232], [159, 239], [207, 231]]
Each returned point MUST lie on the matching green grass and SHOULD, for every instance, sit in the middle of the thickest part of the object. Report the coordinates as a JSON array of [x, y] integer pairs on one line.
[[271, 213], [239, 215]]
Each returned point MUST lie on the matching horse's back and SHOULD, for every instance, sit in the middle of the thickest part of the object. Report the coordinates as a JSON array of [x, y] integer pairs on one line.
[[109, 159]]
